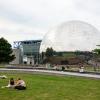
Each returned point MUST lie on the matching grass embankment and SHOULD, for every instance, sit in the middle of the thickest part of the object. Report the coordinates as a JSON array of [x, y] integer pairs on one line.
[[45, 87]]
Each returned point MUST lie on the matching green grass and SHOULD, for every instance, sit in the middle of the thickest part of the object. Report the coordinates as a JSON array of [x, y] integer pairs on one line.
[[49, 87]]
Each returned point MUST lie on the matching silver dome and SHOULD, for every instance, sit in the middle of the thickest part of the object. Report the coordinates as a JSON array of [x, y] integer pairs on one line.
[[71, 36]]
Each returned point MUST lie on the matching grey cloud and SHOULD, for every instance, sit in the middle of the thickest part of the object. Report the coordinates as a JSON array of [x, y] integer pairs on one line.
[[44, 14]]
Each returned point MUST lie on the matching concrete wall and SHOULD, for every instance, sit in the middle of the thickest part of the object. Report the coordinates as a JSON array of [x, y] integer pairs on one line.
[[30, 61], [18, 59]]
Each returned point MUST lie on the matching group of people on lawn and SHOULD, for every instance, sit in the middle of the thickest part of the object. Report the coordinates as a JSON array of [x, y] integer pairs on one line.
[[19, 84]]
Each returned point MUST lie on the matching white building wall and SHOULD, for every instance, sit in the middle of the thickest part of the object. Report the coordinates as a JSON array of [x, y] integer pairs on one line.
[[17, 53]]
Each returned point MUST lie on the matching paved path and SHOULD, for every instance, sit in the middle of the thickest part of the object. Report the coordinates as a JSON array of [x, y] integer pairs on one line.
[[52, 72]]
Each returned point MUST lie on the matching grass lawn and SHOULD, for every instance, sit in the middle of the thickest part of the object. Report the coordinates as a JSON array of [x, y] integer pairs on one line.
[[49, 87]]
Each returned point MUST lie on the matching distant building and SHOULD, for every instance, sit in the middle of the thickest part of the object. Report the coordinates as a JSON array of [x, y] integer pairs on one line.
[[29, 51]]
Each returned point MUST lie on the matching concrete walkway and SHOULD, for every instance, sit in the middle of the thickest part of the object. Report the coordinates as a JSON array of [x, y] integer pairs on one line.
[[52, 72]]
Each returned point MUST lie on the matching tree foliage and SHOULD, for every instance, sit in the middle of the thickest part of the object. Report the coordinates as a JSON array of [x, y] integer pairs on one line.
[[49, 52], [5, 51], [97, 51]]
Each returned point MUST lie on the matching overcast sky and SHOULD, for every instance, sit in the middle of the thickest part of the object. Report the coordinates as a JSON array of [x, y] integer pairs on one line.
[[31, 19]]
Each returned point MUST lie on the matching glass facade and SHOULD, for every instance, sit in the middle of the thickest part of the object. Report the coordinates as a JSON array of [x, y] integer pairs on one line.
[[30, 48]]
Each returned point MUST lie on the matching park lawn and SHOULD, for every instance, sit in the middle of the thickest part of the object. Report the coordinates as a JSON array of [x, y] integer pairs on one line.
[[50, 87]]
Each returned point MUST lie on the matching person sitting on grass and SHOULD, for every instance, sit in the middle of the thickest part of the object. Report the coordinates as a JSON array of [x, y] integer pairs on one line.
[[20, 84], [11, 83]]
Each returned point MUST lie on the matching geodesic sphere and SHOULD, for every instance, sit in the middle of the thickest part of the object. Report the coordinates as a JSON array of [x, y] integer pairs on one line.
[[71, 36]]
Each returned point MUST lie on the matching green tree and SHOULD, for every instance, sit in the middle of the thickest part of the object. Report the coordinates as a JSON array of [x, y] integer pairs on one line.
[[97, 51], [5, 51], [49, 52]]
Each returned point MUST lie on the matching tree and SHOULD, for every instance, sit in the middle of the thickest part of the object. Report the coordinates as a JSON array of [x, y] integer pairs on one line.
[[97, 51], [5, 51], [49, 52]]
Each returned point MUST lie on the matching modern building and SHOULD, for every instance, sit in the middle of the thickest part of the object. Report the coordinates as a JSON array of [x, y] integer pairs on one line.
[[29, 51]]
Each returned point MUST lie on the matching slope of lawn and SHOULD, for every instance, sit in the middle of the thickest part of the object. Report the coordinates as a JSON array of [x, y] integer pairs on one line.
[[50, 87]]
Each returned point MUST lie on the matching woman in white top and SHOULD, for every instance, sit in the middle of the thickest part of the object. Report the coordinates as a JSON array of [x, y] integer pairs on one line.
[[20, 84]]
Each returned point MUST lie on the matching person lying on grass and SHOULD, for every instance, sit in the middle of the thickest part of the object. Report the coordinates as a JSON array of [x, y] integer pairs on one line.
[[3, 76], [20, 84], [11, 84]]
